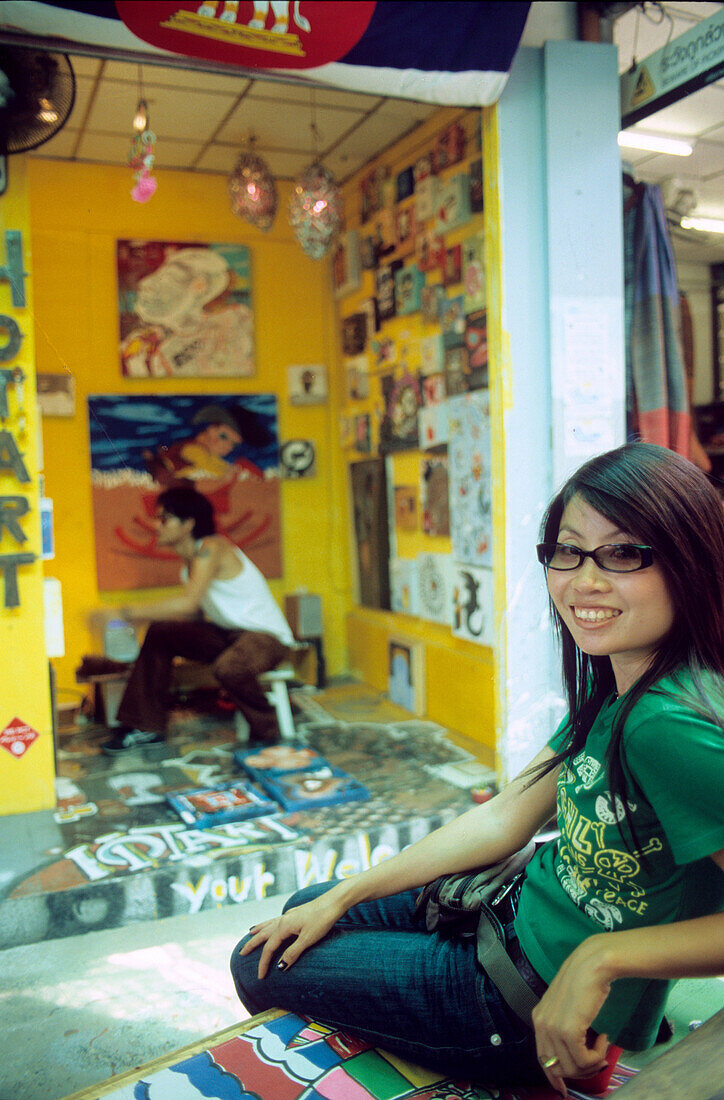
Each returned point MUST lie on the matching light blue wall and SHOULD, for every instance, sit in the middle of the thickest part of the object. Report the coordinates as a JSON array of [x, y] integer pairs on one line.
[[562, 308]]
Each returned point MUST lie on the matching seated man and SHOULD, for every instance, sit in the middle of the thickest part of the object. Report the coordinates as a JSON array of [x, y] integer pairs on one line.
[[225, 615]]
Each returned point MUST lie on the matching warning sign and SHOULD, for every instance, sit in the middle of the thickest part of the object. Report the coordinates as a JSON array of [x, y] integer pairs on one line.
[[17, 737], [644, 88]]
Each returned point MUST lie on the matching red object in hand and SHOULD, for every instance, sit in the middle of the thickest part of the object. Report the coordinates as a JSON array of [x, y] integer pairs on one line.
[[597, 1085]]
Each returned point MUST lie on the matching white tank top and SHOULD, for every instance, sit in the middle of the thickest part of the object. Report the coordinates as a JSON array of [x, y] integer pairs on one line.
[[244, 602]]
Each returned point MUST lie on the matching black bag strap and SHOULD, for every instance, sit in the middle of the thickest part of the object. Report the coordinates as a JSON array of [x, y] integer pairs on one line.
[[498, 964]]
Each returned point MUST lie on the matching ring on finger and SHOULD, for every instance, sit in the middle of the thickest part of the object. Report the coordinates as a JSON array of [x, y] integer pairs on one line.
[[548, 1063]]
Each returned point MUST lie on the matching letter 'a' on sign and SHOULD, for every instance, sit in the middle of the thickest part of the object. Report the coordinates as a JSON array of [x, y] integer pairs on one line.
[[10, 457], [269, 34]]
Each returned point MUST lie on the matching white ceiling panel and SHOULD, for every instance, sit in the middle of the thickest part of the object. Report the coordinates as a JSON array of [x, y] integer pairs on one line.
[[173, 113], [176, 154], [304, 96], [167, 77], [83, 90], [274, 127], [702, 111]]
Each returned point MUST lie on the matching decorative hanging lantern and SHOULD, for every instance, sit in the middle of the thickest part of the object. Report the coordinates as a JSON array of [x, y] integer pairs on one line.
[[252, 190], [315, 210], [141, 155]]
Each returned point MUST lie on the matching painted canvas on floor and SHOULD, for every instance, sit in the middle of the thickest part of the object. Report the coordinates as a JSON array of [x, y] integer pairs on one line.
[[225, 446], [470, 478], [472, 603], [185, 310], [433, 587]]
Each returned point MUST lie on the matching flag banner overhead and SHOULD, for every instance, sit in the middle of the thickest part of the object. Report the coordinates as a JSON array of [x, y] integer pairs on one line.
[[457, 53]]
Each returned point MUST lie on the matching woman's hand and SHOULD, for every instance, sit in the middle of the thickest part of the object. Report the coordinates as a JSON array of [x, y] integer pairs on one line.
[[305, 925], [563, 1018]]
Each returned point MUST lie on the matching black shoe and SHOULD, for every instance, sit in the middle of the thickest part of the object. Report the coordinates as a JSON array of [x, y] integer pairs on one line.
[[126, 738]]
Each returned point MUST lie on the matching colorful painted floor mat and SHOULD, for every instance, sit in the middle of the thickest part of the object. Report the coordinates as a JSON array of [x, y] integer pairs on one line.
[[285, 1057]]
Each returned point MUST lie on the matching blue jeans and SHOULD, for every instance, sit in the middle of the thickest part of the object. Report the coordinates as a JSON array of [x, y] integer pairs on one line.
[[380, 975]]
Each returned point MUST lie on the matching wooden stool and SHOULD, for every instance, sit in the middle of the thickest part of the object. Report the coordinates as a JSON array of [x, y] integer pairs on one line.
[[276, 690]]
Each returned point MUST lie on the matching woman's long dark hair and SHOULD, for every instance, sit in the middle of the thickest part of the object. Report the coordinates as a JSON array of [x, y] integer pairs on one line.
[[662, 501]]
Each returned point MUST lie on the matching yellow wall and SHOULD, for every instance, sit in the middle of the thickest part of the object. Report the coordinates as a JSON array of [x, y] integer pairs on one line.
[[78, 212], [26, 781], [459, 675]]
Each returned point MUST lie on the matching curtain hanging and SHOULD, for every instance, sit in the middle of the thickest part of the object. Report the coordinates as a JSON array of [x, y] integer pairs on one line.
[[657, 398]]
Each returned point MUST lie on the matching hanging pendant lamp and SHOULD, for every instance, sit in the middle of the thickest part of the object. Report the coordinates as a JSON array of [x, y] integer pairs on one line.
[[252, 190], [315, 210]]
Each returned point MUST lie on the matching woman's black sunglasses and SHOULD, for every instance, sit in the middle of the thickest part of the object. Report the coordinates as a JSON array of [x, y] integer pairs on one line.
[[615, 557]]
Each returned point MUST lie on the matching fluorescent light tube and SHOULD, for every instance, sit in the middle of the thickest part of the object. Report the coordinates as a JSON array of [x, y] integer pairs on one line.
[[654, 143], [704, 225]]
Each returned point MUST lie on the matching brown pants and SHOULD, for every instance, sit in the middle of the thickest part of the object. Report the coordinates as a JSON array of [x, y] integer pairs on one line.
[[237, 657]]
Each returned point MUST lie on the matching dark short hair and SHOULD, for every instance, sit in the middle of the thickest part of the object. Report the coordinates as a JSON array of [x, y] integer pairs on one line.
[[186, 503]]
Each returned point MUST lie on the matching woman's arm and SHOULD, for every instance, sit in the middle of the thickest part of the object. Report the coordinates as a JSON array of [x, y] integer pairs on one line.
[[485, 834], [685, 949]]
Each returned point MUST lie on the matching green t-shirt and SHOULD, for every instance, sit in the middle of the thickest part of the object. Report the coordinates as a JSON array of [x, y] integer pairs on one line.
[[587, 881]]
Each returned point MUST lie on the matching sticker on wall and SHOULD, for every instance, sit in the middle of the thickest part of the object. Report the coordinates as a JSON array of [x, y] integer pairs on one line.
[[452, 266], [457, 375], [297, 457], [470, 478], [432, 302], [363, 433], [358, 378], [185, 310], [434, 587], [225, 446], [472, 603], [385, 289], [404, 231], [429, 250], [425, 195], [435, 496], [409, 282], [452, 319], [433, 425], [476, 342], [56, 394], [17, 737], [452, 205], [307, 384]]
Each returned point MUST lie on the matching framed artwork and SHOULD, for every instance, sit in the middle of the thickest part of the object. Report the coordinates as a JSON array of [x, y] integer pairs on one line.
[[384, 239], [452, 267], [431, 355], [425, 197], [404, 231], [385, 289], [433, 425], [405, 183], [433, 587], [432, 301], [354, 333], [369, 308], [369, 502], [372, 194], [429, 250], [363, 433], [346, 270], [475, 172], [449, 147], [422, 169], [367, 254], [474, 272], [406, 507], [56, 394], [435, 496], [409, 282], [403, 585], [297, 459], [385, 352], [472, 603], [185, 310], [457, 374], [433, 389], [452, 319], [406, 674], [358, 378], [476, 342], [452, 203], [225, 446], [307, 384], [470, 478], [399, 427]]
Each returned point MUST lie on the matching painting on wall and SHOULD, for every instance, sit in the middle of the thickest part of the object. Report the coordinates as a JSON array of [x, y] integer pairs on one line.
[[56, 394], [435, 497], [434, 577], [406, 507], [399, 426], [369, 502], [469, 460], [307, 384], [406, 674], [185, 310], [346, 265], [472, 603], [403, 585], [225, 446]]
